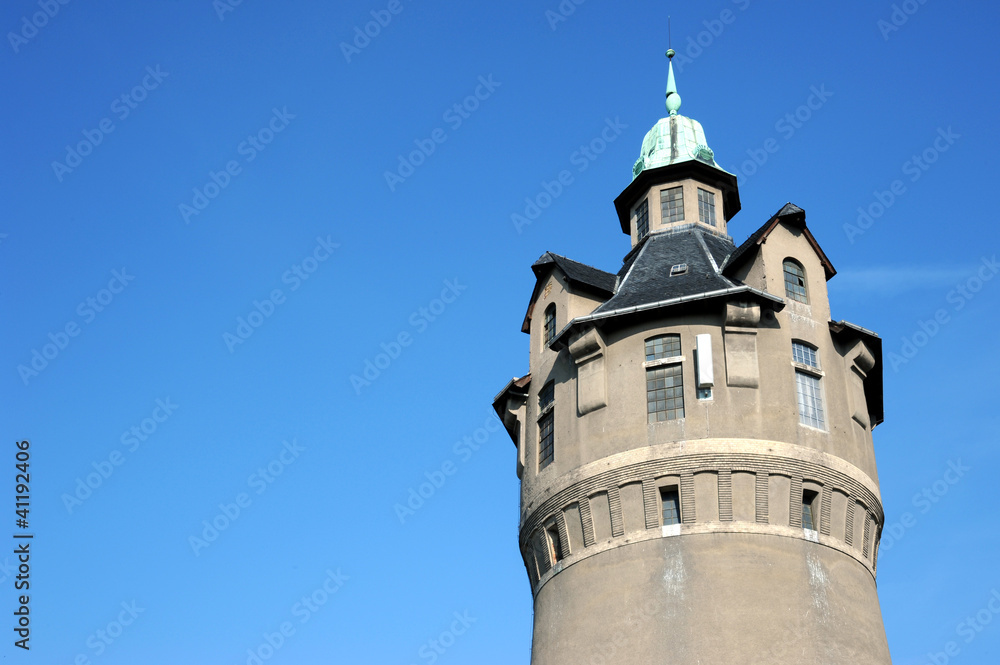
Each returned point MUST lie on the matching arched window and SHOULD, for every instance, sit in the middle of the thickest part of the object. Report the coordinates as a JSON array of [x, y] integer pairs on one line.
[[550, 323], [795, 281]]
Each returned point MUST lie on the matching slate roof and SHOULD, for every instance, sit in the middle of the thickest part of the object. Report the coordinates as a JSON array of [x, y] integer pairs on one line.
[[647, 274], [577, 272], [790, 213]]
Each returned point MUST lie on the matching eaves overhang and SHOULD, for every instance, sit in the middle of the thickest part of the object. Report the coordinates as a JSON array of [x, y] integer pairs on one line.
[[693, 169], [560, 340], [790, 214], [873, 381], [514, 388]]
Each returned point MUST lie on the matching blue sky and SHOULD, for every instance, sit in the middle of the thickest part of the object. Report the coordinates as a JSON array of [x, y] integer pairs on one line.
[[212, 177]]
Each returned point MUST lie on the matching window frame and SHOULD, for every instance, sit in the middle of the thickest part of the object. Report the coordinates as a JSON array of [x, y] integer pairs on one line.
[[706, 205], [791, 289], [554, 541], [546, 420], [656, 363], [549, 324], [810, 505], [642, 220], [811, 375], [672, 217], [674, 490]]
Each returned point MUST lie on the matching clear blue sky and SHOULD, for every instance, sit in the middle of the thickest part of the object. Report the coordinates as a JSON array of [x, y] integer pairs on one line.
[[288, 136]]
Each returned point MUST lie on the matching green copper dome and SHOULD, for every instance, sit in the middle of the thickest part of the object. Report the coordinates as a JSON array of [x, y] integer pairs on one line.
[[675, 138]]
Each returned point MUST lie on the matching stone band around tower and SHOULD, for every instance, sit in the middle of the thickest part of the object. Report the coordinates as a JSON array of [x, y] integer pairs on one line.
[[614, 502]]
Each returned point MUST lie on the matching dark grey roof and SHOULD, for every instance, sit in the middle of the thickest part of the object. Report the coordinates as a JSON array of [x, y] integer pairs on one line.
[[647, 273], [719, 247], [791, 214], [577, 272]]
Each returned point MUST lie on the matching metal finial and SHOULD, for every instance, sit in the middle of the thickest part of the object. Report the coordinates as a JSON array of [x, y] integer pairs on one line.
[[673, 99]]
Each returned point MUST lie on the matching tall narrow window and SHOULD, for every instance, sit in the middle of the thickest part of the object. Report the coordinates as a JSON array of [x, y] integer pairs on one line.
[[672, 204], [706, 206], [670, 500], [664, 379], [809, 513], [550, 323], [795, 281], [642, 220], [555, 544], [546, 425], [808, 388]]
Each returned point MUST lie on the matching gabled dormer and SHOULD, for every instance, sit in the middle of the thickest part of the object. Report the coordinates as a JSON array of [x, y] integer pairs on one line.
[[783, 258], [676, 181]]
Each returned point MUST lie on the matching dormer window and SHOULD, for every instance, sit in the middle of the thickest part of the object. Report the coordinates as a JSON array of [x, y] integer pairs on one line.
[[679, 269], [642, 220], [672, 205], [795, 281]]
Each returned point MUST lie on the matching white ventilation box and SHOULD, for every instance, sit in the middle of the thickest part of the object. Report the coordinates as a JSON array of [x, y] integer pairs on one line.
[[706, 378]]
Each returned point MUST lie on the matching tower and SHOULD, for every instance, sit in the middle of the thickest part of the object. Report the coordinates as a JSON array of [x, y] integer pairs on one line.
[[694, 437]]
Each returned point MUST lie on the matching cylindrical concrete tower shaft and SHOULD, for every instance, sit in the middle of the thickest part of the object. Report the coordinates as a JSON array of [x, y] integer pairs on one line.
[[694, 438]]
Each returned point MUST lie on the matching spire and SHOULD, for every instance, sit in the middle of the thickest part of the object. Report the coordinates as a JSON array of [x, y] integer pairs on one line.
[[673, 99]]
